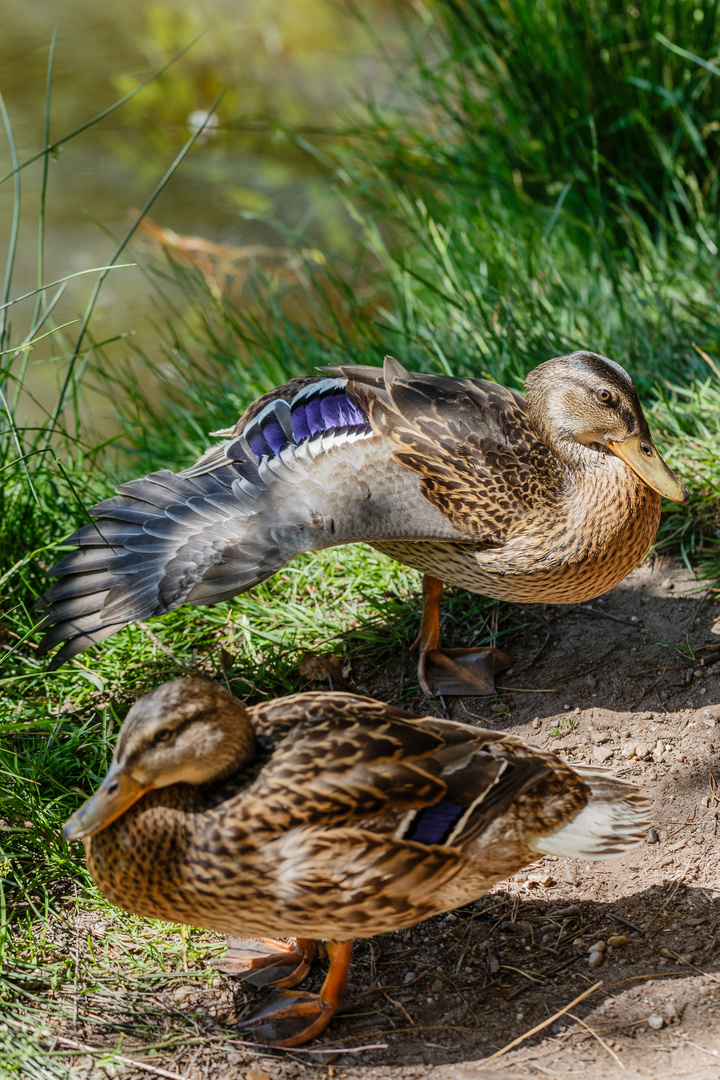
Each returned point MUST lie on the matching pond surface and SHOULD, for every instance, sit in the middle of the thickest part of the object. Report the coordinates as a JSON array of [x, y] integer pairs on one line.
[[294, 63]]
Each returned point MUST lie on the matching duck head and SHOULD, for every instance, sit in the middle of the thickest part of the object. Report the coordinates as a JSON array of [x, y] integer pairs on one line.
[[586, 400], [186, 731]]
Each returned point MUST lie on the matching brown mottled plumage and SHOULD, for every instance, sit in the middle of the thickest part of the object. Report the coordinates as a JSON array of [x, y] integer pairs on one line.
[[556, 498], [326, 816]]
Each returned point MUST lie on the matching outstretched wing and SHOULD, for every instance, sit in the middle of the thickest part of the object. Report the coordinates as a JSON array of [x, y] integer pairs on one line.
[[305, 471], [471, 443]]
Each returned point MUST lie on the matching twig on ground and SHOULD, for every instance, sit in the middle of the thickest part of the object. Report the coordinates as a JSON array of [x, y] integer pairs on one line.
[[132, 1062], [646, 691], [635, 979], [599, 1039], [536, 656], [398, 1005], [688, 963], [712, 1053], [600, 662], [540, 1027], [613, 618], [704, 597]]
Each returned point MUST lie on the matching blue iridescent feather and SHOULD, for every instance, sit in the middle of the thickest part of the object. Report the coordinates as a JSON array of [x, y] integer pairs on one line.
[[433, 824]]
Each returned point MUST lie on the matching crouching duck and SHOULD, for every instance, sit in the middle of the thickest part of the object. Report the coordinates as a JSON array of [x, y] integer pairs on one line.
[[555, 498], [326, 817]]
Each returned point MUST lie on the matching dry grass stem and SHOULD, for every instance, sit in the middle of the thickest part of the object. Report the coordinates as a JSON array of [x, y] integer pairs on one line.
[[599, 1039], [540, 1027]]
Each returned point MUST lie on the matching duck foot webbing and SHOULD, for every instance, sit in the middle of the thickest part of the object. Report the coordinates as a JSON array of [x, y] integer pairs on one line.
[[263, 961], [464, 672], [292, 1017]]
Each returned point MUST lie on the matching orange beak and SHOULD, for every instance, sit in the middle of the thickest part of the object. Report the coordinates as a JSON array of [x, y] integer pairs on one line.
[[116, 794], [640, 453]]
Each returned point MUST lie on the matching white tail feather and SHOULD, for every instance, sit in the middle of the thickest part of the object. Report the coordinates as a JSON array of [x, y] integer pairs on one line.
[[615, 819]]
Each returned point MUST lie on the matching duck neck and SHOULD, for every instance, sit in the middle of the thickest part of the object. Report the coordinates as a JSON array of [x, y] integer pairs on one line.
[[552, 427]]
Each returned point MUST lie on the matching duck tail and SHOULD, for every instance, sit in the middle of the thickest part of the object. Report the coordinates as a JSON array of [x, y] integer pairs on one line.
[[614, 820]]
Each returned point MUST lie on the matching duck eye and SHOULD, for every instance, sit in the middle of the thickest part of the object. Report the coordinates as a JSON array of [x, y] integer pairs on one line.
[[604, 395], [163, 735]]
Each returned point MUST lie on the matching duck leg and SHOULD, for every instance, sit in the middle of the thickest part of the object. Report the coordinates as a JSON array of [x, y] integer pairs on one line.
[[293, 1017], [262, 961], [466, 672]]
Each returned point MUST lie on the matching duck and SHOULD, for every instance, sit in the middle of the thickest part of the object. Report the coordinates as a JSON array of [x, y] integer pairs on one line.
[[324, 817], [552, 498]]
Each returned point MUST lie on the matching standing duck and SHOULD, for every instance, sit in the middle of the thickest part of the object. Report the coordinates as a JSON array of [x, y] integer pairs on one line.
[[326, 817], [555, 498]]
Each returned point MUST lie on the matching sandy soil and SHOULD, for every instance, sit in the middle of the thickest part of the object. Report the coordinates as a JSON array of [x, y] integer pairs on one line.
[[631, 681]]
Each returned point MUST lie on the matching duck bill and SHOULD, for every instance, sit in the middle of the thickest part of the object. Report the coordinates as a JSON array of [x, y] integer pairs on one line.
[[643, 457], [115, 795]]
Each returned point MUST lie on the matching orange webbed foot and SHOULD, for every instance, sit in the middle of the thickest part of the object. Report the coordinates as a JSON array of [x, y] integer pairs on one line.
[[292, 1017], [267, 961], [465, 672]]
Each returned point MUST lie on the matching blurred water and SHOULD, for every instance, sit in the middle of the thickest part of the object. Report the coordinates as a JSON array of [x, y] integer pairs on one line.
[[294, 62]]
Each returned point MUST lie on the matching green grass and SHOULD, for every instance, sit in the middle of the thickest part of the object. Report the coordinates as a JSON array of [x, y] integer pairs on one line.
[[496, 229]]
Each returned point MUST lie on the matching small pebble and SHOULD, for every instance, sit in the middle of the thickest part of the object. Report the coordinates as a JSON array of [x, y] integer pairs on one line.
[[709, 721], [628, 749], [493, 965], [408, 977], [600, 737], [537, 723], [599, 946], [617, 941], [566, 912], [642, 750], [652, 836], [595, 959], [656, 1021]]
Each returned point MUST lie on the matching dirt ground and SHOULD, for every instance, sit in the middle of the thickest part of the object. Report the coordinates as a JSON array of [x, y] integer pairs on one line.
[[631, 681]]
